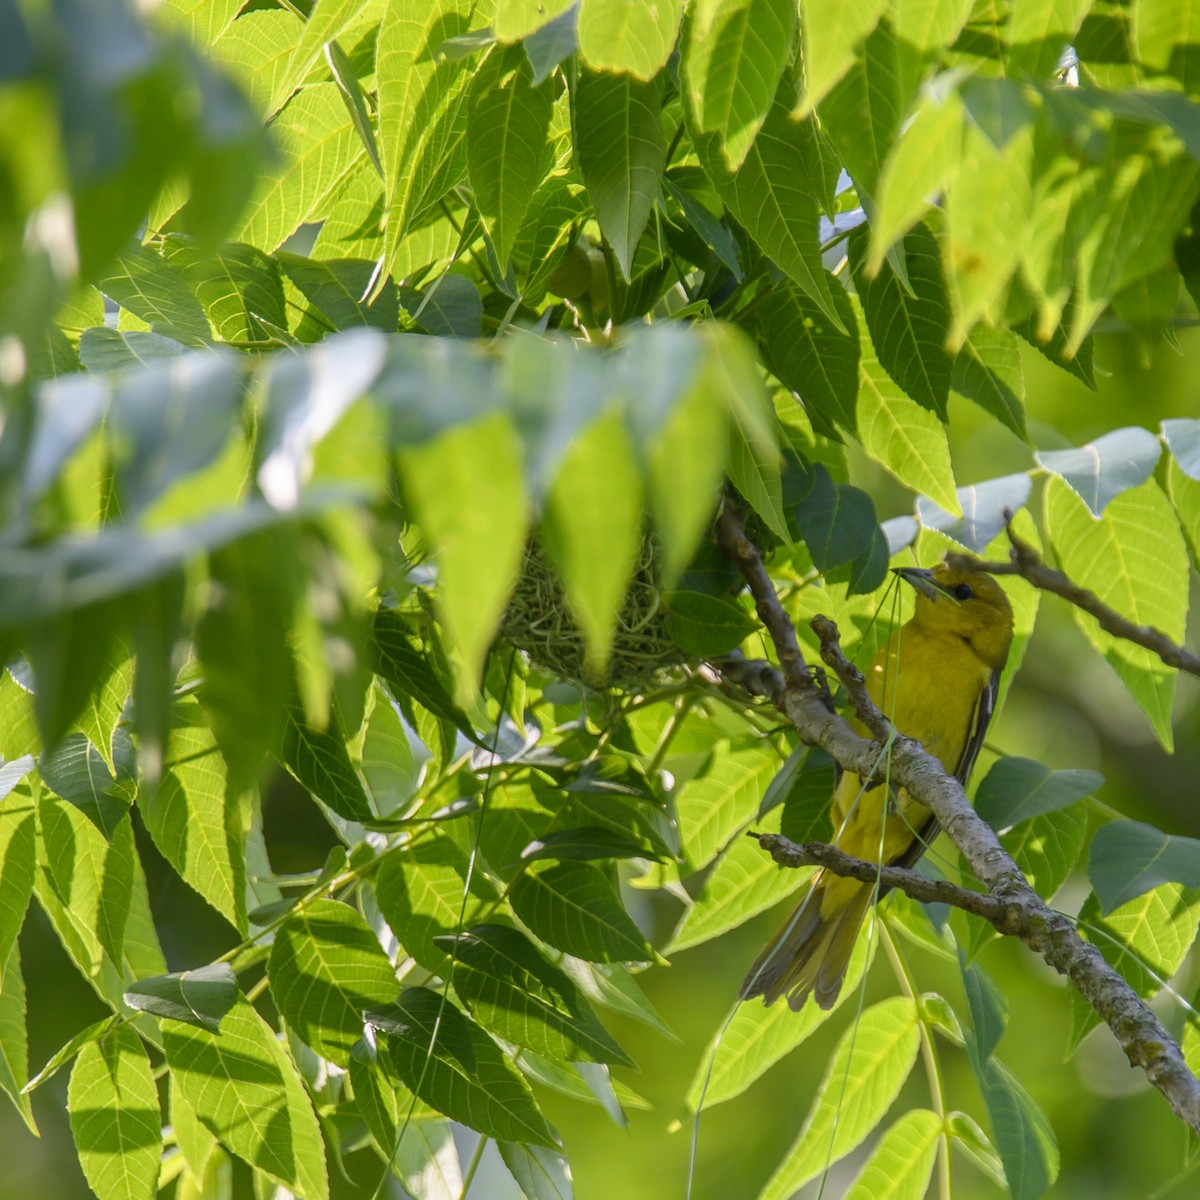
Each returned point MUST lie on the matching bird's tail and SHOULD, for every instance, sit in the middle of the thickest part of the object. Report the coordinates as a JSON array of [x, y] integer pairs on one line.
[[812, 948]]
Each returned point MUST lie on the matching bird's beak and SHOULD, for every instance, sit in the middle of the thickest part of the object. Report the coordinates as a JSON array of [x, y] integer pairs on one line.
[[922, 579]]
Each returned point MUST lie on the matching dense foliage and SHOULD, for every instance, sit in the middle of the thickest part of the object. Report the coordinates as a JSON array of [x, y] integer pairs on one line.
[[367, 465]]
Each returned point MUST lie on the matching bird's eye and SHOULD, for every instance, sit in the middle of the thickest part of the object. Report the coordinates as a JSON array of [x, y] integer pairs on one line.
[[963, 592]]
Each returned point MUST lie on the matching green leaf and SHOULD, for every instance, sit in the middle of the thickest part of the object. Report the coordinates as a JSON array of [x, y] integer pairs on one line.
[[595, 500], [876, 88], [239, 287], [106, 349], [18, 859], [744, 882], [1146, 939], [838, 523], [733, 58], [319, 145], [196, 820], [1128, 858], [422, 99], [255, 50], [1164, 39], [832, 34], [1023, 1136], [1103, 469], [908, 325], [516, 19], [507, 127], [76, 772], [987, 369], [541, 1173], [621, 155], [453, 1065], [1016, 789], [1134, 559], [200, 997], [155, 291], [14, 1038], [714, 805], [1047, 847], [775, 195], [707, 625], [809, 355], [573, 907], [245, 1089], [115, 1119], [326, 21], [514, 992], [585, 844], [989, 1014], [319, 760], [864, 1076], [555, 42], [420, 892], [902, 1161], [904, 438], [467, 491], [1037, 31], [326, 969], [628, 35], [757, 1037], [336, 287]]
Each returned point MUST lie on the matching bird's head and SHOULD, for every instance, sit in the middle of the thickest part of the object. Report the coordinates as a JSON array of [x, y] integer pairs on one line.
[[965, 603]]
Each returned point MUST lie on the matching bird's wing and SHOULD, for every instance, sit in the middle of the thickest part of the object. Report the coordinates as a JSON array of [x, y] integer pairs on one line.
[[980, 719]]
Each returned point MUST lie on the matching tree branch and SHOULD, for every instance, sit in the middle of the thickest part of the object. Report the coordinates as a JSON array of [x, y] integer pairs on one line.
[[1146, 1043], [1026, 562]]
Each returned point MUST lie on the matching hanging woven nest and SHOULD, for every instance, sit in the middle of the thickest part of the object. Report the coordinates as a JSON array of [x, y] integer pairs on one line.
[[539, 621]]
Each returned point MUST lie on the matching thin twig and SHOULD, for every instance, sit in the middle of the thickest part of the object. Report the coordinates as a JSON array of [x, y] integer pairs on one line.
[[1026, 562], [1140, 1033]]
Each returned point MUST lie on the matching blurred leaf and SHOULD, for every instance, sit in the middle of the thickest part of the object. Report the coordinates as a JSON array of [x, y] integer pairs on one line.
[[906, 439], [467, 492], [541, 1173], [18, 859], [1134, 559], [707, 625], [199, 997], [573, 907], [1128, 858], [453, 1065], [628, 35], [757, 1037], [1016, 789], [115, 1118], [1146, 939], [621, 155], [715, 805], [901, 1162], [196, 820], [732, 61], [507, 126], [327, 968], [517, 994], [1105, 468], [1183, 440], [909, 325], [983, 506], [246, 1090], [595, 500], [863, 1078]]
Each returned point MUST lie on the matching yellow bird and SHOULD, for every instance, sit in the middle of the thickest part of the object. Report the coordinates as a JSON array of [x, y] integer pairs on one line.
[[937, 680]]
